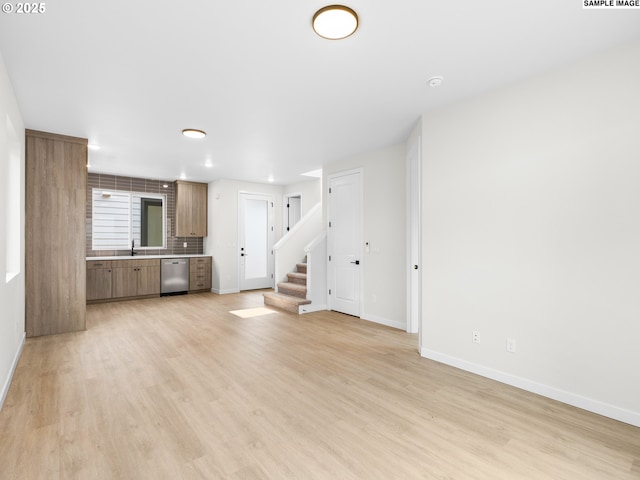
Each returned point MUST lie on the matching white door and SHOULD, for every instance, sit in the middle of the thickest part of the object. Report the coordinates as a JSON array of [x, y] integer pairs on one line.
[[414, 290], [293, 211], [255, 240], [344, 241]]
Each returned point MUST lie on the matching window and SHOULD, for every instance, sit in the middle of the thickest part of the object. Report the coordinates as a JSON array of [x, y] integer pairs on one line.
[[122, 217]]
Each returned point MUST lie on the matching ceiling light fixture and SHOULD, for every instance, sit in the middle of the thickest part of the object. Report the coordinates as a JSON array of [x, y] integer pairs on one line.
[[193, 133], [335, 22]]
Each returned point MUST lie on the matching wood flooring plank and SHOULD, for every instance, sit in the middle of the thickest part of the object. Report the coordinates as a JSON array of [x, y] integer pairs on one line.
[[180, 388]]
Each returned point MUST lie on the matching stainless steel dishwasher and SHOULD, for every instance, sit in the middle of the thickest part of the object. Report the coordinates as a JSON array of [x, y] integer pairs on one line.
[[174, 276]]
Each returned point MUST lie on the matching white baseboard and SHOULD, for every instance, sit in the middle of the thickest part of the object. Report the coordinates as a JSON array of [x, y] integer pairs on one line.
[[7, 383], [383, 321], [589, 404], [311, 308], [224, 292]]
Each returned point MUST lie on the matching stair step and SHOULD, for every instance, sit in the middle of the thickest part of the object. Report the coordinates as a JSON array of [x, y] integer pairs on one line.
[[296, 277], [293, 289], [284, 302], [301, 267]]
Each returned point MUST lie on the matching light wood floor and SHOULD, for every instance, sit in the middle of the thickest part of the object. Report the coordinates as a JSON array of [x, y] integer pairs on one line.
[[178, 387]]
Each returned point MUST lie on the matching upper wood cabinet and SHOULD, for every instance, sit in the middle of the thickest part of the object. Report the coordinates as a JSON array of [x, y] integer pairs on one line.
[[55, 202], [191, 209]]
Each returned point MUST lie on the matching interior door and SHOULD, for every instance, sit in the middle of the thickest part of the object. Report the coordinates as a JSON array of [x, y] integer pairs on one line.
[[293, 211], [255, 241], [344, 237]]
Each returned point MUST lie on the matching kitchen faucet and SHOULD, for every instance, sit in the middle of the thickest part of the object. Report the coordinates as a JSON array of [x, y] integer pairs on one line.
[[132, 247]]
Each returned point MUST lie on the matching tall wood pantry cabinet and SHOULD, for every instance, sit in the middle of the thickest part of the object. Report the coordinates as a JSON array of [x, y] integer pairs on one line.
[[55, 267], [191, 209]]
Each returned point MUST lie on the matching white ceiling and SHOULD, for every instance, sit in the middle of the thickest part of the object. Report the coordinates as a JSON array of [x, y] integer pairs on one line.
[[275, 99]]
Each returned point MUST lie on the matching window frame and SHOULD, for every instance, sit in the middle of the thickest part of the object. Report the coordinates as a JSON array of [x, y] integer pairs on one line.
[[100, 194]]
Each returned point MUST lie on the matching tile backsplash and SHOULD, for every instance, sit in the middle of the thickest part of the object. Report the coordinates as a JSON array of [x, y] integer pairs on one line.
[[132, 184]]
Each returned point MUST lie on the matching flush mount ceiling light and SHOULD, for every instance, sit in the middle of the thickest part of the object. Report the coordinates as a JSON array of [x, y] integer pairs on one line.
[[335, 22], [193, 133]]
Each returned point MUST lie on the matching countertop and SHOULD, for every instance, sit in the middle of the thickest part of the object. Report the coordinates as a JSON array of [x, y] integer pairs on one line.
[[129, 257]]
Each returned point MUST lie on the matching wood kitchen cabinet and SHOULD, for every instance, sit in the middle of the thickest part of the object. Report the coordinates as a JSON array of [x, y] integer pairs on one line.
[[200, 274], [191, 209], [55, 267], [99, 280], [119, 279], [135, 278]]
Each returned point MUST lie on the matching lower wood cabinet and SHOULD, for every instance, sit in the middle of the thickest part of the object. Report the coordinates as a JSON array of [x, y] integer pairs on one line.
[[113, 279], [148, 281], [135, 278], [138, 277], [199, 273], [99, 280]]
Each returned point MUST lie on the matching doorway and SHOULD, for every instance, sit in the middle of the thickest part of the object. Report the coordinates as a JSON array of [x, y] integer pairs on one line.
[[344, 241], [255, 241]]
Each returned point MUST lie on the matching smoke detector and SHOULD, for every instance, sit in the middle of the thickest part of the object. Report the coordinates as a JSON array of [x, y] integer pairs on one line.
[[435, 81]]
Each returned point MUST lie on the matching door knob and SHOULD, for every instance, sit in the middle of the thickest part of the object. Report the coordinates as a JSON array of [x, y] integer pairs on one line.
[[415, 267], [357, 262]]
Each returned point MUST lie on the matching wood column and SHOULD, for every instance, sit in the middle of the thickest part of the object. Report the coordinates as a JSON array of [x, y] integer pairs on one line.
[[56, 186]]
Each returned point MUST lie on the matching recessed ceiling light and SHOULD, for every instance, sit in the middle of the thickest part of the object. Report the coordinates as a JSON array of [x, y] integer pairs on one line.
[[193, 133], [435, 81], [183, 176], [208, 164], [335, 22], [93, 146]]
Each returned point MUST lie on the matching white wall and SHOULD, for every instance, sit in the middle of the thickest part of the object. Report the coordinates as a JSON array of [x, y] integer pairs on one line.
[[11, 290], [222, 241], [384, 227], [311, 191], [531, 230]]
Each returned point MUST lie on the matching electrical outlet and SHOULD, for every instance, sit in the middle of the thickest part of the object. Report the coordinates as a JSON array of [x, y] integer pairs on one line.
[[511, 345], [475, 337]]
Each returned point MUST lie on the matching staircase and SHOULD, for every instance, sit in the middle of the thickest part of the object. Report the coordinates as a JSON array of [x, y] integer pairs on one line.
[[292, 293]]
